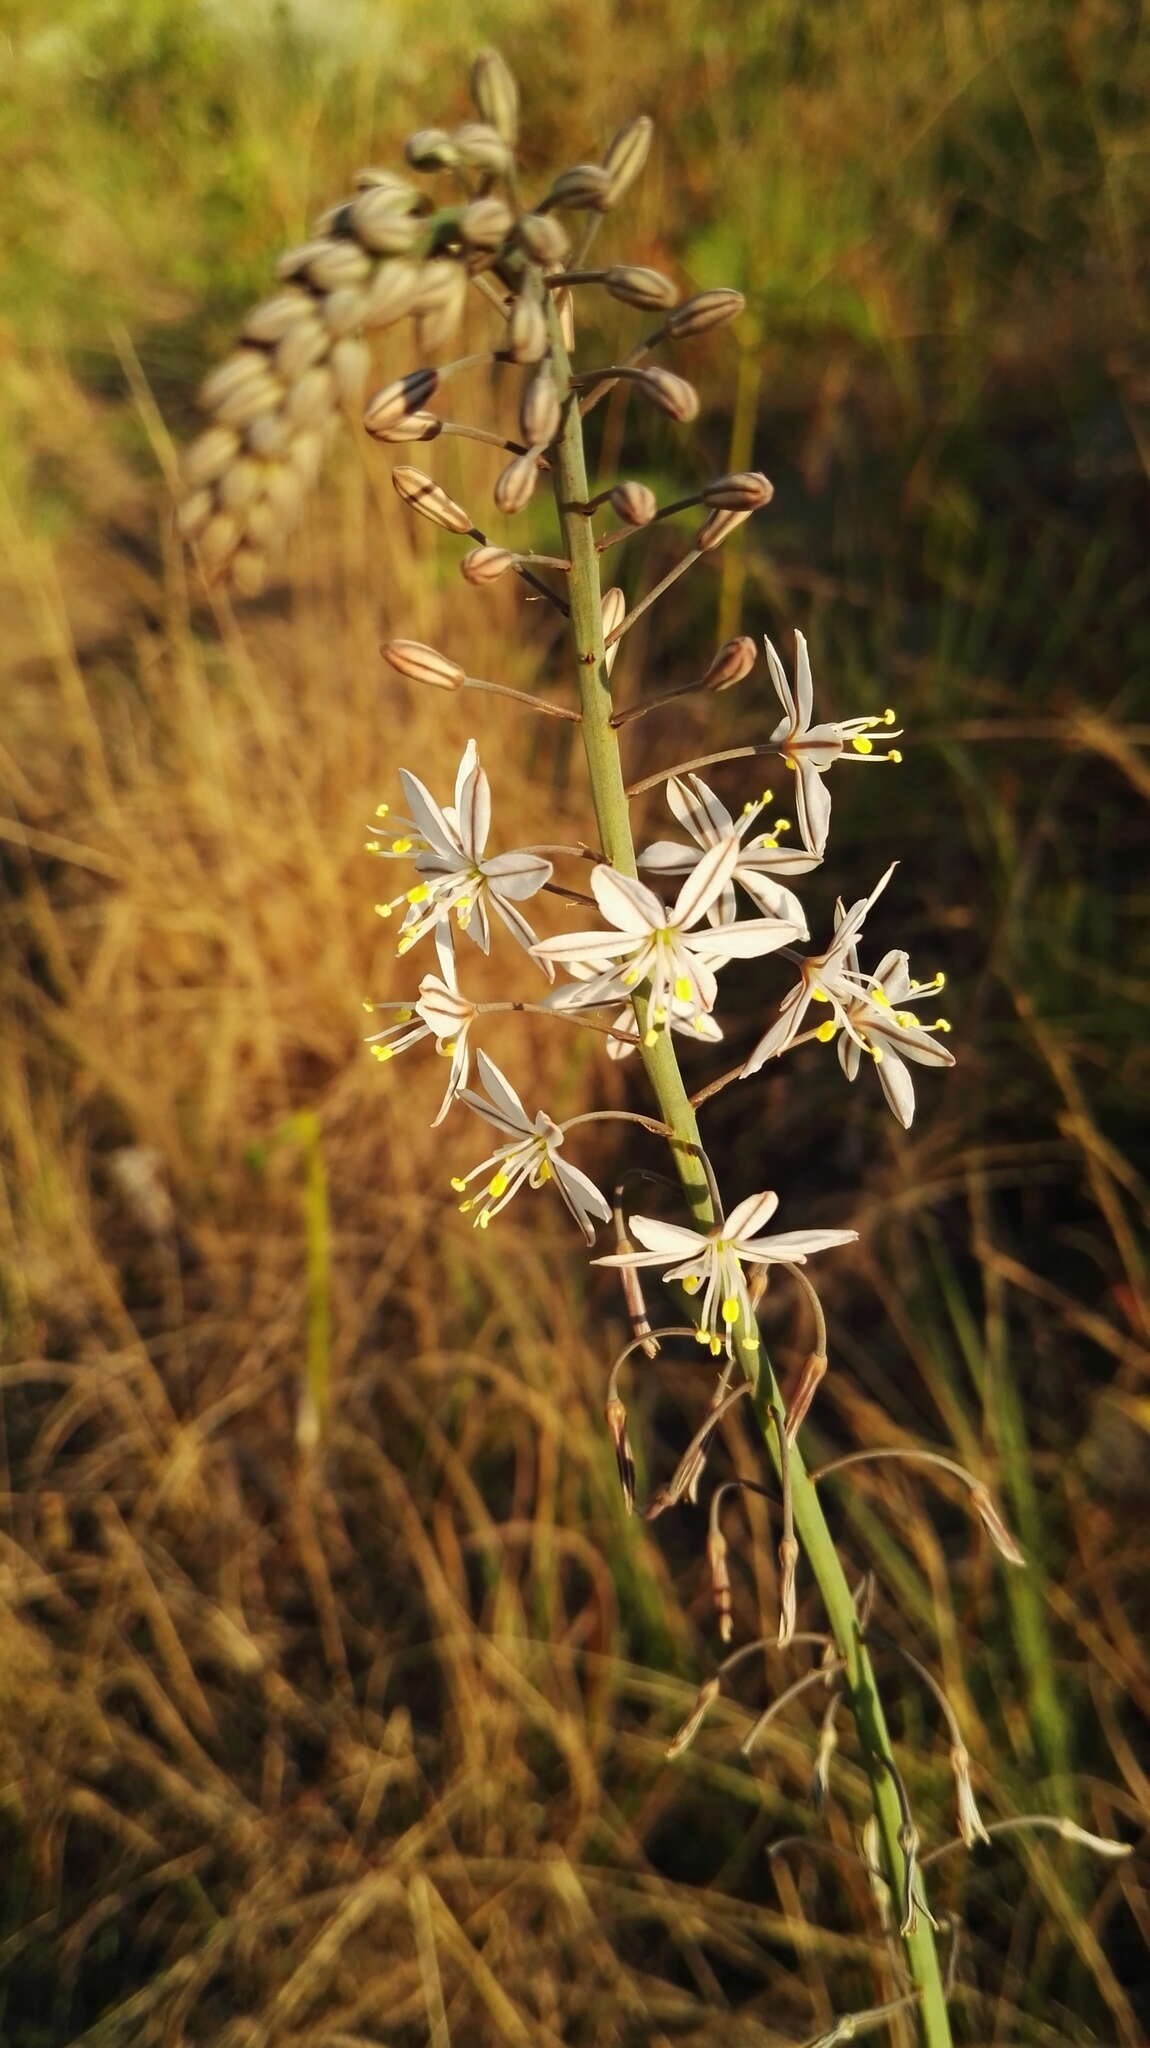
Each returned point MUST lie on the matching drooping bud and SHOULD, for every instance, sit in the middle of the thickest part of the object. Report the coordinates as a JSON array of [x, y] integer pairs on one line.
[[734, 660], [398, 400], [971, 1826], [302, 345], [209, 456], [788, 1560], [565, 308], [481, 148], [269, 435], [402, 194], [392, 293], [634, 285], [707, 1695], [335, 264], [515, 485], [418, 426], [634, 503], [527, 330], [544, 238], [343, 311], [218, 541], [248, 571], [243, 367], [720, 1580], [702, 312], [423, 664], [673, 395], [824, 1754], [616, 1416], [716, 528], [249, 398], [745, 491], [270, 321], [995, 1527], [294, 262], [194, 513], [439, 306], [583, 187], [626, 154], [241, 484], [425, 496], [383, 221], [485, 224], [486, 564], [430, 149], [539, 413], [496, 94], [310, 400], [614, 610], [350, 363]]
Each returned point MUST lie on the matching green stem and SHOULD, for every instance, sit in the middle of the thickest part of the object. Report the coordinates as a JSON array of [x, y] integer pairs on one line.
[[609, 796]]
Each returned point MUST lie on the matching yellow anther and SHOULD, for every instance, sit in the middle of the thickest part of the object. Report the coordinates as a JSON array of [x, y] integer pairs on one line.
[[906, 1018], [465, 1208], [781, 825], [768, 841], [826, 1031], [875, 1052], [894, 756], [446, 1049], [751, 1339], [381, 810], [659, 1014], [766, 796], [384, 909], [692, 1283], [888, 716], [862, 744], [880, 996], [682, 989], [405, 943], [940, 980], [498, 1185], [716, 1344], [942, 1024], [382, 1052], [731, 1310], [369, 1007], [458, 1185], [703, 1337], [543, 1173], [631, 980], [464, 907], [788, 763], [420, 893], [483, 1218], [371, 846], [819, 995], [401, 846], [404, 1016]]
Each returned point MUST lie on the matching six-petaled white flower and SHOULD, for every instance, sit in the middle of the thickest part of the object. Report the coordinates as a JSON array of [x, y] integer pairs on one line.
[[440, 1012], [660, 945], [761, 858], [823, 978], [811, 749], [532, 1155], [456, 875], [713, 1261], [877, 1021]]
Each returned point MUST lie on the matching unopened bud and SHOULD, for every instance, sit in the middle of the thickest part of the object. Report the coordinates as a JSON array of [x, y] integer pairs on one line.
[[422, 664], [382, 220], [720, 1581], [994, 1525], [430, 149], [673, 395], [626, 154], [439, 307], [350, 363], [716, 527], [496, 94], [335, 264], [544, 238], [583, 186], [301, 346], [527, 331], [707, 1695], [482, 148], [788, 1560], [970, 1822], [706, 310], [539, 414], [616, 1416], [418, 426], [634, 503], [565, 309], [424, 495], [486, 564], [614, 609], [402, 193], [244, 367], [392, 293], [745, 491], [515, 485], [269, 322], [485, 224], [396, 400], [209, 456], [734, 660], [649, 290]]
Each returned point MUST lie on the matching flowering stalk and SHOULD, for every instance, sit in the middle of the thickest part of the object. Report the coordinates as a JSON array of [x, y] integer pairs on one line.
[[604, 768]]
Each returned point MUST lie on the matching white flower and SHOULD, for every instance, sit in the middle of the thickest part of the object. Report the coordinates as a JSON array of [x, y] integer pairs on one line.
[[709, 822], [714, 1260], [532, 1156], [622, 1039], [823, 978], [455, 874], [811, 749], [878, 1022], [654, 943], [443, 1014]]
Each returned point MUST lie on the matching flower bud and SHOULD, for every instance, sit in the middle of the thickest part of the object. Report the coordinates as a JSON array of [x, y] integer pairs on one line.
[[392, 293], [343, 311], [706, 310], [734, 660], [716, 527], [616, 1417], [496, 94], [241, 484], [673, 395], [269, 434], [565, 308], [218, 541], [243, 367], [486, 564], [583, 186], [396, 400], [614, 610], [526, 330], [417, 426], [424, 495], [482, 148], [209, 456], [194, 512], [485, 224], [302, 345], [270, 321], [430, 149], [404, 197], [248, 572], [334, 221], [439, 305], [634, 285], [309, 402], [247, 400], [626, 155], [539, 414], [422, 664], [515, 485], [294, 262], [337, 263], [746, 491], [544, 238], [382, 221], [350, 363], [634, 503]]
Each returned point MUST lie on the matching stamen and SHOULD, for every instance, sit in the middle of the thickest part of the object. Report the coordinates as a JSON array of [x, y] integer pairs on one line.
[[819, 995], [383, 1052], [782, 825], [371, 846], [895, 756], [731, 1310], [381, 810], [401, 845], [384, 909], [682, 990], [420, 893], [498, 1185], [692, 1284], [862, 744], [826, 1032], [458, 1184]]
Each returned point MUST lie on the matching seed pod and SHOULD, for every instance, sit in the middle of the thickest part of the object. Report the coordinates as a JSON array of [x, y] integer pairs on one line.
[[515, 485], [744, 491], [418, 426], [336, 264], [270, 321], [614, 610], [422, 664], [626, 155], [583, 186], [634, 503], [396, 400], [704, 311], [673, 395], [383, 222], [194, 513], [634, 285], [482, 148], [486, 564], [734, 660], [246, 402], [302, 345], [544, 238], [269, 434], [424, 495], [717, 527], [496, 94], [209, 456], [243, 367], [309, 402], [430, 149], [350, 363], [248, 572], [392, 293], [240, 484], [485, 224], [343, 311], [539, 414], [527, 330], [219, 539]]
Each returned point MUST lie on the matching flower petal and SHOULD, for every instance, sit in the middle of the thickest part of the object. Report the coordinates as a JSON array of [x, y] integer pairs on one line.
[[473, 807], [698, 809], [669, 857], [813, 803], [517, 875], [804, 687], [426, 814], [795, 1246], [503, 1095], [709, 878], [750, 1216], [671, 1240], [627, 904], [782, 689], [897, 1086]]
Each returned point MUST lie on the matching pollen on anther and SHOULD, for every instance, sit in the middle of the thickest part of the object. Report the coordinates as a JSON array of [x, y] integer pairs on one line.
[[383, 1052], [888, 716], [692, 1284], [895, 756], [381, 810], [682, 989], [369, 1007], [458, 1184], [861, 744], [498, 1185], [371, 846], [730, 1310], [401, 846], [383, 909], [419, 894], [826, 1032], [782, 825], [650, 1038]]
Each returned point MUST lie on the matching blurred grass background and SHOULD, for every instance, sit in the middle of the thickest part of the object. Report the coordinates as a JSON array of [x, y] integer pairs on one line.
[[367, 1745]]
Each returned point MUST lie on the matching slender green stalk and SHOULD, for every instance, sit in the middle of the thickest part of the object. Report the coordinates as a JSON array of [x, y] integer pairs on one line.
[[613, 818]]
